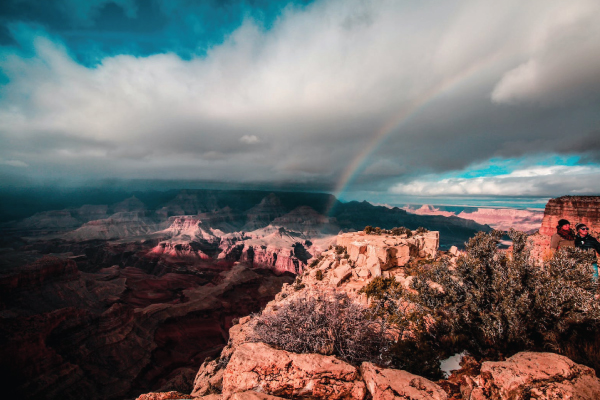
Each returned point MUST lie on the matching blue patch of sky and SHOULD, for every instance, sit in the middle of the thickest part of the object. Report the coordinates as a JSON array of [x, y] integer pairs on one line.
[[498, 167], [187, 28]]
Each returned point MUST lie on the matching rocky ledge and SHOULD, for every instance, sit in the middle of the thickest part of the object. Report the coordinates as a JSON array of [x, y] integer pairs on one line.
[[248, 369]]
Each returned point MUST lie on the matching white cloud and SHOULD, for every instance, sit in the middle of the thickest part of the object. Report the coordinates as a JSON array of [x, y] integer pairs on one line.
[[534, 181], [14, 163], [563, 58], [249, 139], [314, 90]]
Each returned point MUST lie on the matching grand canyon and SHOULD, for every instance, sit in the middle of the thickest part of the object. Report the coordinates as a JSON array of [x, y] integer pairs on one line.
[[299, 199], [112, 300]]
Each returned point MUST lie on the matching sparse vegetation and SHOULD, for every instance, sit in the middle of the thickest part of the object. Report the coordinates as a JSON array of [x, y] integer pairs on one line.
[[319, 275], [490, 303], [369, 230], [494, 305], [326, 324]]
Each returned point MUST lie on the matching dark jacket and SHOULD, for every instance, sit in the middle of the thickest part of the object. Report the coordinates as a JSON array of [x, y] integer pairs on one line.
[[587, 242]]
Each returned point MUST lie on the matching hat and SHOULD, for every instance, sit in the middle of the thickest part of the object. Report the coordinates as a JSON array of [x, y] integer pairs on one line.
[[580, 225], [562, 222]]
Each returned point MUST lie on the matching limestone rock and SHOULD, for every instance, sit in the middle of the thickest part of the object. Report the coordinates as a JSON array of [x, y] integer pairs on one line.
[[341, 274], [388, 251], [250, 395], [256, 366], [390, 384], [543, 376], [164, 396]]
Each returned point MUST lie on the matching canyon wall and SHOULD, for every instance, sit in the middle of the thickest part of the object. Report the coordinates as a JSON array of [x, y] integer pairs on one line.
[[576, 209]]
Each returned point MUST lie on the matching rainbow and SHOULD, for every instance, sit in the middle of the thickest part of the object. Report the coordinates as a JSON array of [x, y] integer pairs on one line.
[[353, 169]]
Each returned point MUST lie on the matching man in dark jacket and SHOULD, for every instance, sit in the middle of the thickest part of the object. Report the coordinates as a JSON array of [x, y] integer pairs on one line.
[[586, 242]]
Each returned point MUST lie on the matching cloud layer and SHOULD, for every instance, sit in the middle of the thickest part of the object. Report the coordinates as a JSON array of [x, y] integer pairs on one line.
[[298, 101]]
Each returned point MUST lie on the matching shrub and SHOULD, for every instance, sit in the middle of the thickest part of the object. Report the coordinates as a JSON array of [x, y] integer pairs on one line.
[[368, 229], [340, 249], [382, 288], [420, 230], [326, 324], [315, 262], [494, 304], [319, 275], [401, 231]]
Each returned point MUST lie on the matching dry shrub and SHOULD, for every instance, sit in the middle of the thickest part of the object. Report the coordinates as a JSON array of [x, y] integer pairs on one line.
[[330, 324]]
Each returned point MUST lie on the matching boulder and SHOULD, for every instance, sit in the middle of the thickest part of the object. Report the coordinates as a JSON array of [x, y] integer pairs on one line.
[[164, 396], [250, 395], [375, 271], [542, 376], [390, 384], [341, 274], [256, 366]]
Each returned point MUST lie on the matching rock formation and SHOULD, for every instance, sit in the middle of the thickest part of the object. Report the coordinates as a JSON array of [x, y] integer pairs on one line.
[[112, 300], [576, 209], [250, 369], [118, 332], [527, 375], [502, 219]]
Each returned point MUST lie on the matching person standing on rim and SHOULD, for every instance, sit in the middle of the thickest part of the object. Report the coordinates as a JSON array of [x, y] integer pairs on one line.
[[564, 236], [585, 241]]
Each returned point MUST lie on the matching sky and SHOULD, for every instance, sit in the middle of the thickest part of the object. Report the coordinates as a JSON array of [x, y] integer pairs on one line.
[[385, 101]]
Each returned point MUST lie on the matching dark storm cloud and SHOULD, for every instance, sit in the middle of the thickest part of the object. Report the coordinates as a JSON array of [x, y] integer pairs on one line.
[[295, 94]]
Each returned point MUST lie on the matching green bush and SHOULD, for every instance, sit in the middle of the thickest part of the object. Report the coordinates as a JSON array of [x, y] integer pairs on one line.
[[401, 231], [493, 304]]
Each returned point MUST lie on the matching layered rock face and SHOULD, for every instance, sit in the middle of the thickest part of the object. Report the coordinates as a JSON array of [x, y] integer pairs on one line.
[[504, 219], [118, 332], [576, 209]]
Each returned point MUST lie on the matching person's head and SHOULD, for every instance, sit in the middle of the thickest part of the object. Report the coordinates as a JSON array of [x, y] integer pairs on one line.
[[582, 229], [563, 225]]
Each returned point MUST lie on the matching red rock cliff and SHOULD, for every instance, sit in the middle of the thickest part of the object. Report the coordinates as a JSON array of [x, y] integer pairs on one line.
[[576, 209]]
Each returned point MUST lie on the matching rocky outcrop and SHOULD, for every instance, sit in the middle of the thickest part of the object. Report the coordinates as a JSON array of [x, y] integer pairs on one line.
[[388, 251], [576, 209], [391, 384], [258, 367], [164, 396], [527, 375]]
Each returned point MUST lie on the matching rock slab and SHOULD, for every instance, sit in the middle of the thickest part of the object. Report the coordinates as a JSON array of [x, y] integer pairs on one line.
[[541, 376], [392, 384], [258, 367]]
